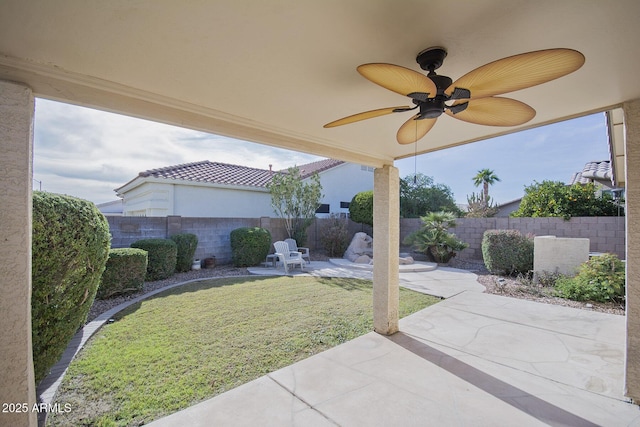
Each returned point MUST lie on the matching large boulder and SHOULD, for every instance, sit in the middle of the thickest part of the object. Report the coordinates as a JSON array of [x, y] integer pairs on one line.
[[360, 250]]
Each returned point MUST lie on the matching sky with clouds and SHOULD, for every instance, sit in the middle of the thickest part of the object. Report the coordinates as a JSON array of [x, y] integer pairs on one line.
[[88, 153]]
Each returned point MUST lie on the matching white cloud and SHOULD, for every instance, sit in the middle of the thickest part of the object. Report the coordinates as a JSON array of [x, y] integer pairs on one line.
[[88, 153]]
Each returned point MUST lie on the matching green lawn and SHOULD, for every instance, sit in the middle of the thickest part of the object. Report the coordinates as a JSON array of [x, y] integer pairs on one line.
[[193, 342]]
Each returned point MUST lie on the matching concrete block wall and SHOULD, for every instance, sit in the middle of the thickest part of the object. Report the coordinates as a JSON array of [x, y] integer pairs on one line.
[[606, 234]]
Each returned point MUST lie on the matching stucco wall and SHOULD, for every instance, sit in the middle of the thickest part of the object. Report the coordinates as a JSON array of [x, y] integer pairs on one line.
[[199, 201], [341, 183]]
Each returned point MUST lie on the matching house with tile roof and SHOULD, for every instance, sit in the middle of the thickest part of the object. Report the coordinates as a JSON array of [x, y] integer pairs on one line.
[[221, 190]]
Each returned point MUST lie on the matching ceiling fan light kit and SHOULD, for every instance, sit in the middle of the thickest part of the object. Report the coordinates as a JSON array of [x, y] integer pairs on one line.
[[472, 98]]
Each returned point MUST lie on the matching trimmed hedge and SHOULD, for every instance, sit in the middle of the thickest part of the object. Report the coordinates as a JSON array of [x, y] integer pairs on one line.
[[124, 272], [187, 244], [162, 256], [507, 252], [249, 246], [70, 247], [361, 208]]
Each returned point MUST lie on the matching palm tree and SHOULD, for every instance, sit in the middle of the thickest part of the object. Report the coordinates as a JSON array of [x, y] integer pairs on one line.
[[486, 177]]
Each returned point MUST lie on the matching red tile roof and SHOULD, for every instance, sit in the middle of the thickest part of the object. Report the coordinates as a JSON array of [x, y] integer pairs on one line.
[[213, 172], [308, 169], [224, 173]]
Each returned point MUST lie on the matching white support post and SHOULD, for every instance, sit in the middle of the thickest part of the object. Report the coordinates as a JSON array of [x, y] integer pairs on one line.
[[17, 383], [632, 196]]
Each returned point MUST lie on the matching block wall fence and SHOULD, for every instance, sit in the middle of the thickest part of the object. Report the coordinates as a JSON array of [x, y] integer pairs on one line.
[[606, 234]]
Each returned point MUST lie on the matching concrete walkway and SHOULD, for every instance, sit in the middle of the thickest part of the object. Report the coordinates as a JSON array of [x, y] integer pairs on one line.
[[474, 359]]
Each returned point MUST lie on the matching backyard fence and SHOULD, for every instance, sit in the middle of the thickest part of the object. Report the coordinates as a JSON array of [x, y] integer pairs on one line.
[[606, 234]]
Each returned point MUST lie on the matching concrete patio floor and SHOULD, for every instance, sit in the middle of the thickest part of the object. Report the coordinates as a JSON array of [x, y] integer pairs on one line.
[[474, 359]]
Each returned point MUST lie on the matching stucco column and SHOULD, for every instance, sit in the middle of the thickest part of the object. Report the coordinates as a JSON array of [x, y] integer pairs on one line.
[[386, 241], [16, 141], [632, 195]]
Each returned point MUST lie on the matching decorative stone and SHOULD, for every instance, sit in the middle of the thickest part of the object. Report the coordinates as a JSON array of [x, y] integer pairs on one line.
[[363, 259], [406, 260], [361, 244]]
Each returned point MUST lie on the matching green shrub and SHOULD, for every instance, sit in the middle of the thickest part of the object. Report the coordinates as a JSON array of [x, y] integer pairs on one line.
[[335, 236], [187, 244], [124, 272], [600, 279], [507, 252], [361, 208], [434, 238], [162, 255], [70, 249], [249, 246], [555, 199]]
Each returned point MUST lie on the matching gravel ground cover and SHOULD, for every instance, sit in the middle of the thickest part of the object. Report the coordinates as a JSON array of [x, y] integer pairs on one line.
[[520, 288]]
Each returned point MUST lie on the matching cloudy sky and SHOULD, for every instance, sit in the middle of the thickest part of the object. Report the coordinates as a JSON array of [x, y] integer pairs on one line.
[[88, 153]]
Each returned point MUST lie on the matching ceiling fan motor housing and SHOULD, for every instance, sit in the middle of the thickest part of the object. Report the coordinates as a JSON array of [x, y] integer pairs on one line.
[[431, 58]]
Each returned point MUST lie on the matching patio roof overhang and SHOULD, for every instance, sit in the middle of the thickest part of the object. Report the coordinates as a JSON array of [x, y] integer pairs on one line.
[[274, 72]]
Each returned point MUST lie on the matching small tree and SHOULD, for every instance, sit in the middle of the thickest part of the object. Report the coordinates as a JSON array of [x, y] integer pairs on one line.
[[555, 199], [295, 201], [478, 207], [361, 208]]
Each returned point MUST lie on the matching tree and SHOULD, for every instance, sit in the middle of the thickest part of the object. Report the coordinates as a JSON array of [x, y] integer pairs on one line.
[[485, 177], [419, 195], [361, 208], [295, 201], [555, 199]]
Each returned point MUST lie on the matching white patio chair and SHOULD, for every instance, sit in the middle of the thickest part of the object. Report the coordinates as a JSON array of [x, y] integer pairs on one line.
[[287, 257], [293, 247]]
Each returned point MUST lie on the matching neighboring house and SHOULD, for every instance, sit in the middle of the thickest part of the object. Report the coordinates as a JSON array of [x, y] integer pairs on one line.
[[505, 209], [597, 172], [113, 208], [213, 189], [601, 174]]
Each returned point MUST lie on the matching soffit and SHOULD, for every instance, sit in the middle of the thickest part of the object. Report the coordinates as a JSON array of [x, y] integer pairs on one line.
[[274, 72]]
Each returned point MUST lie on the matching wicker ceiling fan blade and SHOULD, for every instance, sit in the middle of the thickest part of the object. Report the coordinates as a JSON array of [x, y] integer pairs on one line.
[[412, 130], [398, 79], [365, 115], [495, 111], [519, 72]]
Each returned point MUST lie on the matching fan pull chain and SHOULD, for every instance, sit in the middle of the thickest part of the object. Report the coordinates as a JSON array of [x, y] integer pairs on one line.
[[415, 157]]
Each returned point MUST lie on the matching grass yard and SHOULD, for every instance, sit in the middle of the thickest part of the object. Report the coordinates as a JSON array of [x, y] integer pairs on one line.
[[202, 339]]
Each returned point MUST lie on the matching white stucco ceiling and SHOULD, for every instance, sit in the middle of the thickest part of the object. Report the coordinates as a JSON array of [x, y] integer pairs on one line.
[[275, 71]]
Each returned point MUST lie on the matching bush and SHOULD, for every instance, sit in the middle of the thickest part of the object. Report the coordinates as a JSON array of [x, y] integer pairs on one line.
[[335, 236], [162, 256], [69, 250], [361, 208], [187, 244], [434, 238], [600, 279], [124, 272], [249, 246], [507, 252]]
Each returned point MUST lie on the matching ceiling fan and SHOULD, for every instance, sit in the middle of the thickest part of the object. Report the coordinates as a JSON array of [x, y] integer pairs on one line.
[[471, 98]]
